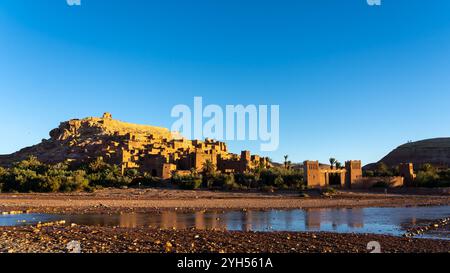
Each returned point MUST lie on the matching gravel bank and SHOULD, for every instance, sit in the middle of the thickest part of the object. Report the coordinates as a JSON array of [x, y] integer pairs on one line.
[[54, 239]]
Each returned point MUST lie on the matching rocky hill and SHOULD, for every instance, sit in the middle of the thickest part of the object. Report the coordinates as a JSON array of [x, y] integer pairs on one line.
[[434, 151], [148, 149], [84, 139]]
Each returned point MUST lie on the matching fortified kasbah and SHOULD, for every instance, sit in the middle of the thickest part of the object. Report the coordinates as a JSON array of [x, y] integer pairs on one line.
[[351, 176], [150, 149]]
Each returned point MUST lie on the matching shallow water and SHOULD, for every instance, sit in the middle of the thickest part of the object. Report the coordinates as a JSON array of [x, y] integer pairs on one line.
[[391, 221]]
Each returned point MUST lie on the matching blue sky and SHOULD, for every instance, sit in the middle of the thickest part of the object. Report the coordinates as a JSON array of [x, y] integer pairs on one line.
[[352, 81]]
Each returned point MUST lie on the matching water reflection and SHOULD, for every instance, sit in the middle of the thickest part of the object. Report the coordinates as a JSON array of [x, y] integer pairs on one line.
[[353, 218], [392, 221]]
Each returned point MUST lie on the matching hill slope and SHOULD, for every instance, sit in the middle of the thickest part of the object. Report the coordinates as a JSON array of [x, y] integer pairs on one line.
[[83, 139], [435, 151]]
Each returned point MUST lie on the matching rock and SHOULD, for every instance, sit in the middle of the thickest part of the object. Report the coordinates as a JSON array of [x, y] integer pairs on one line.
[[168, 247]]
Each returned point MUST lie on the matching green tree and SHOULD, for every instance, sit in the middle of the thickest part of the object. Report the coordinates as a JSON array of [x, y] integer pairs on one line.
[[31, 163], [63, 166], [98, 165], [382, 170], [132, 173], [279, 181], [427, 176], [428, 168], [209, 173], [188, 182], [332, 161], [209, 167]]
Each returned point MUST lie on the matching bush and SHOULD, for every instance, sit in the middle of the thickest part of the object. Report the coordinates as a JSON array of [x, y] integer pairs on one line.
[[248, 179], [382, 170], [3, 173], [132, 173], [191, 184], [225, 181], [267, 177], [282, 178], [293, 180], [32, 163], [31, 175], [427, 176], [148, 181], [279, 181], [101, 174], [267, 188], [187, 182], [49, 183], [380, 184], [108, 179], [98, 166], [21, 180], [328, 191], [76, 182]]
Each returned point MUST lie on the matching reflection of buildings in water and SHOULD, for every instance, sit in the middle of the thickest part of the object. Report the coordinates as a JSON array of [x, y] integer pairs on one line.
[[289, 219], [247, 221], [313, 218], [128, 220], [173, 219], [279, 219], [257, 220], [218, 222], [213, 220], [353, 218], [208, 220], [200, 220], [168, 219], [94, 220]]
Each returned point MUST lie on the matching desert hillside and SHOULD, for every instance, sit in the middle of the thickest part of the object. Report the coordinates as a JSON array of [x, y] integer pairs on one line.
[[434, 151], [84, 139]]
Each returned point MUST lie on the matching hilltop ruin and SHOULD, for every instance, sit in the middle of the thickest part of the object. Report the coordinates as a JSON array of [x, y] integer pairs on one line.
[[149, 149]]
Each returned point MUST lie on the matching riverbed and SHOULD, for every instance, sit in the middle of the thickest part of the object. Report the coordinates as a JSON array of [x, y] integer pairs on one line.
[[374, 220]]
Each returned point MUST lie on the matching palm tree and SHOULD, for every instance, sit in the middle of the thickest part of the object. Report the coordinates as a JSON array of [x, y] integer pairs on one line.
[[332, 162], [209, 167], [338, 165], [286, 161]]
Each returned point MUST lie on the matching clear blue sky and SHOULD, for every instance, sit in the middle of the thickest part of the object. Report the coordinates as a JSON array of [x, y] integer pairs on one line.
[[352, 81]]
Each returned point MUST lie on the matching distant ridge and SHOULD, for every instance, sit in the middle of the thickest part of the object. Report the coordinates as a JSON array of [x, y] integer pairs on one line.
[[434, 151]]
